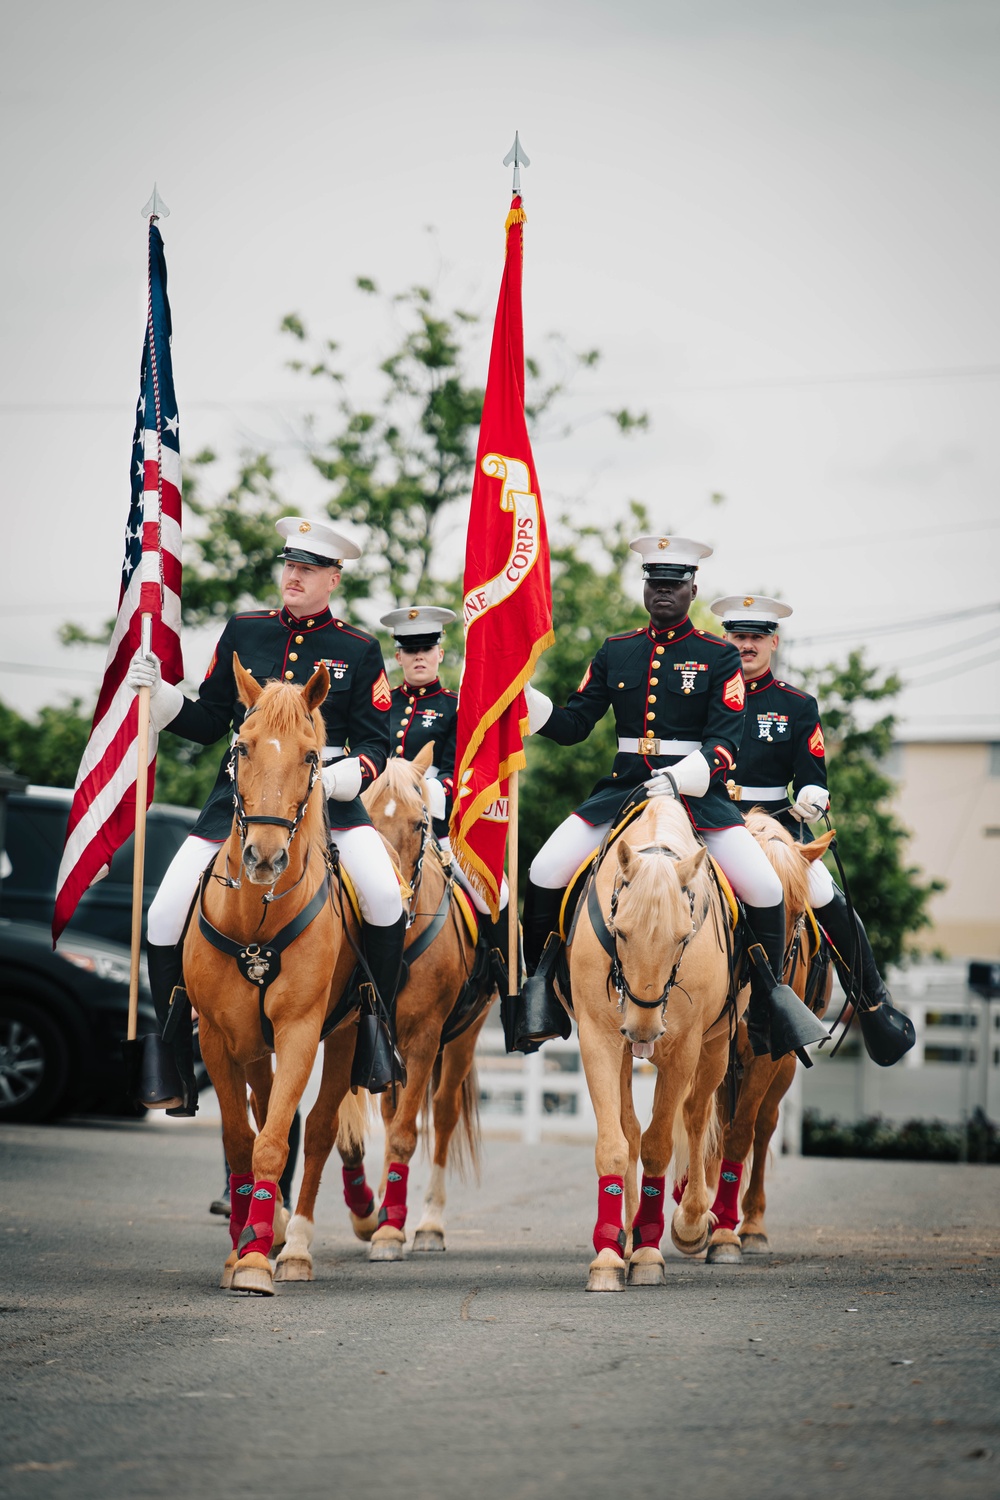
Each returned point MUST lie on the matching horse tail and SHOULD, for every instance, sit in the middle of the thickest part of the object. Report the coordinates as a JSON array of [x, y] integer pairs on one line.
[[352, 1121], [465, 1147]]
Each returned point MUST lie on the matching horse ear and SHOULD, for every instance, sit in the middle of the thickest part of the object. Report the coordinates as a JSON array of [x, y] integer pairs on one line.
[[819, 846], [424, 757], [316, 688], [688, 868], [625, 856], [248, 687]]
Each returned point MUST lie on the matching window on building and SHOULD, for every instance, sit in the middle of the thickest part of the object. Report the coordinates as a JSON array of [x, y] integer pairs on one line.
[[994, 758]]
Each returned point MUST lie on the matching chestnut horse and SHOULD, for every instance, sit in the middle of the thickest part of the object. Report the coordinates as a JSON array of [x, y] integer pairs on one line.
[[243, 972], [765, 1083], [438, 1078], [651, 932]]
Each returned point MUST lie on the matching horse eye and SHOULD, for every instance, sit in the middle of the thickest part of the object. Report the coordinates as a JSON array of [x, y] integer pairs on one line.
[[241, 749], [312, 757], [621, 936]]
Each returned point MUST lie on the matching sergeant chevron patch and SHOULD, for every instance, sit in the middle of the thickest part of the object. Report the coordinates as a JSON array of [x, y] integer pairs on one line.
[[734, 693], [382, 693]]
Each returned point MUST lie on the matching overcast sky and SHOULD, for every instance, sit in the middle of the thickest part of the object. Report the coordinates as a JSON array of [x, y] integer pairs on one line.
[[777, 219]]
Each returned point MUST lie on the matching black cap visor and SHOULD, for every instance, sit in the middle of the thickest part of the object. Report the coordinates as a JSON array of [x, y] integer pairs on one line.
[[682, 571], [749, 627], [296, 554], [415, 643]]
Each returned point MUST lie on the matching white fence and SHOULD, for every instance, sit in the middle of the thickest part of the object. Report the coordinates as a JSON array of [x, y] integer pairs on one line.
[[953, 1068]]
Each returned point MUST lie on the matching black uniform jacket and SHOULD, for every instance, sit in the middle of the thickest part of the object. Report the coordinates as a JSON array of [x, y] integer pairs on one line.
[[782, 744], [422, 714], [677, 684], [274, 644]]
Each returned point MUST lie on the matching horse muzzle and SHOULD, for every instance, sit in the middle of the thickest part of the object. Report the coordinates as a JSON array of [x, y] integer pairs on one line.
[[261, 869], [644, 1031]]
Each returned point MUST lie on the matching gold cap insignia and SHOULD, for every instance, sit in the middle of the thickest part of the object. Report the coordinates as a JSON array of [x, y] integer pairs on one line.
[[663, 542], [413, 614], [747, 602], [305, 526]]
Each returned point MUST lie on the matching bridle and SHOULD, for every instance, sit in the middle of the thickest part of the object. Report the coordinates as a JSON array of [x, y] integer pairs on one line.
[[616, 974], [238, 751], [418, 869]]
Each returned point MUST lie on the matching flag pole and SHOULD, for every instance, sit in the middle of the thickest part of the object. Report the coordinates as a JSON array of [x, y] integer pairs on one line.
[[513, 947], [139, 861]]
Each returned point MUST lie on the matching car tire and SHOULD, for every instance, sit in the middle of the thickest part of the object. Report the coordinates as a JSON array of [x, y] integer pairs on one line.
[[34, 1061]]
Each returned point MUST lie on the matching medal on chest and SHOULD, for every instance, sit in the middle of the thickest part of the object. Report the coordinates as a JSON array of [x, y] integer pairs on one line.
[[689, 673], [772, 726], [337, 669]]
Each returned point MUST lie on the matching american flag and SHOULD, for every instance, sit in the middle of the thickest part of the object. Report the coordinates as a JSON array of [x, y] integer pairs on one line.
[[103, 812]]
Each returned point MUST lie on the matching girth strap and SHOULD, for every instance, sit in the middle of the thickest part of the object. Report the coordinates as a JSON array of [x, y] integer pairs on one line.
[[594, 912], [430, 932]]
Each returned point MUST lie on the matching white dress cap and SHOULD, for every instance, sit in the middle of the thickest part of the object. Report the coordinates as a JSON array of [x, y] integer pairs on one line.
[[678, 552], [417, 620], [754, 614], [313, 541]]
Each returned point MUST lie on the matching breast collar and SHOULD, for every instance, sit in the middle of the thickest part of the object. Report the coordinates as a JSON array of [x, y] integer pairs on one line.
[[316, 622]]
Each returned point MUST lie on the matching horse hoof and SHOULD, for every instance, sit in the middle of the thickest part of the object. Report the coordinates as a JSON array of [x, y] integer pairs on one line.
[[724, 1249], [227, 1271], [646, 1268], [690, 1247], [755, 1244], [607, 1273], [426, 1241], [364, 1228], [293, 1268], [253, 1274], [387, 1246], [282, 1219]]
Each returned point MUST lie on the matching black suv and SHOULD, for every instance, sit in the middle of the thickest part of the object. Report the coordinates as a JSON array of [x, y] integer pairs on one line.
[[63, 1014]]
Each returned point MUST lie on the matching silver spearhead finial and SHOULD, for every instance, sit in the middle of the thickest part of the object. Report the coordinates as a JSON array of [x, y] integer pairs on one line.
[[155, 208], [517, 157]]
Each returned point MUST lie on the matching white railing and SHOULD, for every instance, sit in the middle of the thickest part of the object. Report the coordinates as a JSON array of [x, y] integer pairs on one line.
[[953, 1068]]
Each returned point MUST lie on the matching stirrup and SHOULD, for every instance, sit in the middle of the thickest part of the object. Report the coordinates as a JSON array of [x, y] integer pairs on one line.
[[154, 1080], [793, 1025], [377, 1064]]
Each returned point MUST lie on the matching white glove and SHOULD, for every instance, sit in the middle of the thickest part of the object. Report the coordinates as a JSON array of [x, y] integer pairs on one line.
[[165, 700], [434, 797], [539, 708], [342, 781], [692, 775], [810, 804]]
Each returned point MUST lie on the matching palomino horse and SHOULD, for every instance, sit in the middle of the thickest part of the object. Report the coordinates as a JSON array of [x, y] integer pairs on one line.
[[765, 1083], [275, 961], [651, 928], [439, 1077]]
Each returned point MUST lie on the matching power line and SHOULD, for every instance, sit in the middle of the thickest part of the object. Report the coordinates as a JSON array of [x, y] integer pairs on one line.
[[949, 672], [946, 651], [39, 671], [921, 622]]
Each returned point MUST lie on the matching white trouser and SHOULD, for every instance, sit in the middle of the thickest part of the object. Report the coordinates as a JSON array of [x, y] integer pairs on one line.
[[564, 851], [365, 859], [463, 880], [745, 865], [737, 851], [820, 884]]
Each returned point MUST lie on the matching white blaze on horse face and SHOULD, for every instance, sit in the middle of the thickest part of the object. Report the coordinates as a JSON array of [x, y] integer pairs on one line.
[[390, 807], [275, 745]]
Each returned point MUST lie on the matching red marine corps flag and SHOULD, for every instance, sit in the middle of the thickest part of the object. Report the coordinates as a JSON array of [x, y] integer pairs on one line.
[[103, 814], [508, 597]]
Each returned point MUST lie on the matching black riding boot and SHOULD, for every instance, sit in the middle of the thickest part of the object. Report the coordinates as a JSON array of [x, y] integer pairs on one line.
[[777, 1020], [496, 936], [887, 1033], [166, 1061], [536, 1014], [377, 1064]]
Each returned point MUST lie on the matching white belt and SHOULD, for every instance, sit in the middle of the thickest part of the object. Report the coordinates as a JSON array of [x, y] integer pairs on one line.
[[332, 752], [760, 793], [650, 745]]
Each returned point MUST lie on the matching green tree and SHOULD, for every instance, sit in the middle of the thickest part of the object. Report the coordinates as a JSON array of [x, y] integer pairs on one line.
[[889, 894], [48, 749]]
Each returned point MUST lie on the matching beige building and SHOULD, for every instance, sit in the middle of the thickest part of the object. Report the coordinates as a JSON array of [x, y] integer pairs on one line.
[[948, 795]]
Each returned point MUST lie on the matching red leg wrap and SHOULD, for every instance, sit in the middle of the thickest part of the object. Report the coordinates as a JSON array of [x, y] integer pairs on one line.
[[357, 1194], [393, 1210], [608, 1231], [678, 1191], [240, 1188], [648, 1224], [727, 1199], [258, 1233]]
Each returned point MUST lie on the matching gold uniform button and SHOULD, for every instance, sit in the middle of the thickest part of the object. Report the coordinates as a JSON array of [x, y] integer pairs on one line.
[[651, 698], [273, 613], [687, 690], [659, 650], [621, 684], [293, 656], [653, 681], [299, 639], [650, 717], [399, 734], [399, 749], [289, 676], [411, 701]]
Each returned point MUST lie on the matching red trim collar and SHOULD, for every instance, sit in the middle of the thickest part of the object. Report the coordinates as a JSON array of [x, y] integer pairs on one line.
[[758, 684], [315, 622], [673, 633]]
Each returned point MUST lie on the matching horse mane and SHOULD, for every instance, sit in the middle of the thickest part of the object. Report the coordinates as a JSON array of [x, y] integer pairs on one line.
[[672, 829], [784, 857], [399, 779], [283, 709]]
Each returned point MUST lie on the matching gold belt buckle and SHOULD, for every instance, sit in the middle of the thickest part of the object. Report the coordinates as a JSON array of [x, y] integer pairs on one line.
[[736, 792], [649, 745]]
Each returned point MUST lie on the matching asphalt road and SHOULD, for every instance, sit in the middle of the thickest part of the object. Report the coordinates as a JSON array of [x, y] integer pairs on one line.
[[861, 1360]]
